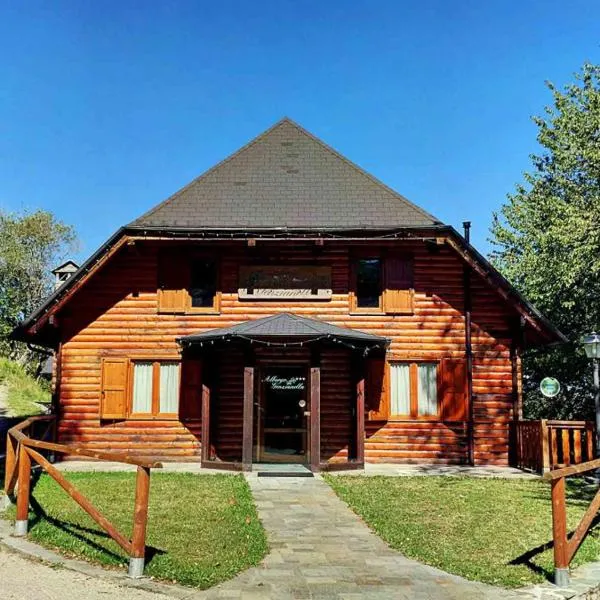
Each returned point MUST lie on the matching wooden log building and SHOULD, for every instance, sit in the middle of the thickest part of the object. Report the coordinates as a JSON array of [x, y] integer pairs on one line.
[[286, 306]]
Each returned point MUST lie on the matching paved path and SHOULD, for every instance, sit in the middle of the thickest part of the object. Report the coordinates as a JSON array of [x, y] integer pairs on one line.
[[321, 549]]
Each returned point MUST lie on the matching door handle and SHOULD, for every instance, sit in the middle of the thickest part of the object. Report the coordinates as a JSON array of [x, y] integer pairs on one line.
[[307, 413]]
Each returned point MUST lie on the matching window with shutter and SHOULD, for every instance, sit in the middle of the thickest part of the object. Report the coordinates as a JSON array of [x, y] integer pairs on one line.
[[113, 395], [187, 284], [154, 389], [414, 390], [398, 295]]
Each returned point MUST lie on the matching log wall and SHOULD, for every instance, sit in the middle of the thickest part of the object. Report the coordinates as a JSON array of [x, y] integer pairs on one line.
[[115, 313]]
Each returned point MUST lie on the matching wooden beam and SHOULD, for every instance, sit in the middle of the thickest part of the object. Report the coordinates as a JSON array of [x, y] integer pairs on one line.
[[583, 527], [315, 418], [24, 485], [248, 418], [83, 451], [140, 512], [205, 435], [559, 528], [574, 469], [360, 420], [89, 508]]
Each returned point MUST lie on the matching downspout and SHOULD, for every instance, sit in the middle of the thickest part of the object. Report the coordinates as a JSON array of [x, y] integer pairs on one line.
[[469, 351]]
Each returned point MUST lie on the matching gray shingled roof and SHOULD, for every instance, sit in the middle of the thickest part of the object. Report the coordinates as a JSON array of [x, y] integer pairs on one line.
[[285, 325], [285, 179]]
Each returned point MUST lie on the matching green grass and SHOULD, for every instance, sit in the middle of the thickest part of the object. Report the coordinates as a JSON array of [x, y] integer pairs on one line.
[[202, 529], [497, 531], [21, 392]]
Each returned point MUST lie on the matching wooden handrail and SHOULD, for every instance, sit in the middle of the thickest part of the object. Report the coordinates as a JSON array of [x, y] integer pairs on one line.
[[21, 450], [590, 465], [565, 547]]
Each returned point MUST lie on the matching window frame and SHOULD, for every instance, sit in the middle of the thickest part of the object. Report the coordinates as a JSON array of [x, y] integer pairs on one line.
[[382, 256], [414, 390], [185, 306], [352, 292], [216, 305], [155, 413]]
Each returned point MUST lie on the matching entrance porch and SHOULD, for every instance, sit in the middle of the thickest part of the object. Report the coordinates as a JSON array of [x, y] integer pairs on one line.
[[282, 389]]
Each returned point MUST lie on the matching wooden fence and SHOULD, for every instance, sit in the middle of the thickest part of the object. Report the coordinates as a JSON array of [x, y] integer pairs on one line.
[[565, 547], [22, 450], [546, 445]]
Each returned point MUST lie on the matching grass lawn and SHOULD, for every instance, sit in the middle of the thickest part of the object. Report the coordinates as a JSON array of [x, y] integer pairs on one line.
[[20, 393], [491, 530], [202, 529]]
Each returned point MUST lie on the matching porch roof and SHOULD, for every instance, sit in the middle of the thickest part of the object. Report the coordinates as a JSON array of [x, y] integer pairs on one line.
[[286, 325]]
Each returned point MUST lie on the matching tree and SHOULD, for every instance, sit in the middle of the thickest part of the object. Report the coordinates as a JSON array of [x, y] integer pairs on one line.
[[547, 241], [31, 245]]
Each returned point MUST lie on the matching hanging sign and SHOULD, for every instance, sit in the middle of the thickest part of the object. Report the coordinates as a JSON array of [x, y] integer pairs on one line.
[[550, 387], [285, 282]]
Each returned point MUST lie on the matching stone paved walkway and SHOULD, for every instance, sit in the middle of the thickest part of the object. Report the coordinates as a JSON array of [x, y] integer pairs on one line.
[[320, 549]]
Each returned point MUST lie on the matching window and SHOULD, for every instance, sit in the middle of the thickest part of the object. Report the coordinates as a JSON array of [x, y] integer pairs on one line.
[[155, 388], [203, 283], [187, 282], [368, 283], [414, 389], [383, 285]]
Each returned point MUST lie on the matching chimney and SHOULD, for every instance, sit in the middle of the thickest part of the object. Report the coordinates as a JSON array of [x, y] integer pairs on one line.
[[467, 230], [64, 272]]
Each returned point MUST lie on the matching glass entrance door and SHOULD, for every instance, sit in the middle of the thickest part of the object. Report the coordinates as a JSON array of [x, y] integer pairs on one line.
[[283, 414]]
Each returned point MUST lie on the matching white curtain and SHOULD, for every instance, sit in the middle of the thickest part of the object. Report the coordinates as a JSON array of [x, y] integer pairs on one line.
[[428, 404], [169, 387], [400, 388], [142, 387]]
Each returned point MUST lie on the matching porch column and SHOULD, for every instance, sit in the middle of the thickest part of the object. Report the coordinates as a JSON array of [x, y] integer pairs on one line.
[[360, 418], [248, 418], [205, 435], [315, 418]]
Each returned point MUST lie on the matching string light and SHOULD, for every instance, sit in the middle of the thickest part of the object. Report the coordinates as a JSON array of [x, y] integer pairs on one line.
[[366, 348]]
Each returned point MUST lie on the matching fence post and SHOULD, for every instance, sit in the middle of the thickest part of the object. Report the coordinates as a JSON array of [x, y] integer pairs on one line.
[[140, 519], [544, 446], [24, 484], [559, 530]]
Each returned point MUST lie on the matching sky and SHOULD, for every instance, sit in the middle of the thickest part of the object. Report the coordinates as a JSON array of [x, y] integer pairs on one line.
[[107, 108]]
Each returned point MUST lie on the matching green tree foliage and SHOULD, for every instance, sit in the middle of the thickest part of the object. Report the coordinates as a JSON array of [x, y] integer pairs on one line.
[[31, 245], [547, 242]]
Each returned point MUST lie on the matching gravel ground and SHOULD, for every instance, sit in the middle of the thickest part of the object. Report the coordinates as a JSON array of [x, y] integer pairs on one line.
[[23, 579]]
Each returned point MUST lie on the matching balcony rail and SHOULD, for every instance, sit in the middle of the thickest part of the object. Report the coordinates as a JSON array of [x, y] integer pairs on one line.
[[545, 445]]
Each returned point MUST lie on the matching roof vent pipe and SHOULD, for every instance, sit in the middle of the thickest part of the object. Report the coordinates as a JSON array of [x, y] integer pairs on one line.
[[467, 229]]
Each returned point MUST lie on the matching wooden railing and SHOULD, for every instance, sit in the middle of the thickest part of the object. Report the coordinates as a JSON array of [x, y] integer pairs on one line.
[[566, 547], [22, 450], [546, 445]]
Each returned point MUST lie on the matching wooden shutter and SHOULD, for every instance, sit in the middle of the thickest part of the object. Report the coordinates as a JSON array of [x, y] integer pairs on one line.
[[377, 400], [190, 397], [173, 281], [398, 295], [453, 389], [113, 394]]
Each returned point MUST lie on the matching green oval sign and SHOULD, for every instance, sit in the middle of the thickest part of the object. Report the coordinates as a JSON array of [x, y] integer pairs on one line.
[[550, 387]]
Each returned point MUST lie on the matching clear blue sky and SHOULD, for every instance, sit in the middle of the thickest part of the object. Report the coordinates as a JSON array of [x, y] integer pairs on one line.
[[108, 107]]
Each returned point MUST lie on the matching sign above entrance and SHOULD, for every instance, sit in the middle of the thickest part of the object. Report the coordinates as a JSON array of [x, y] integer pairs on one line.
[[285, 282], [276, 382]]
